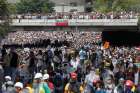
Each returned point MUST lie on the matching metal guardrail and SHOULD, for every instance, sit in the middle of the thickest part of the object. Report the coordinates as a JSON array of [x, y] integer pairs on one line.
[[75, 22]]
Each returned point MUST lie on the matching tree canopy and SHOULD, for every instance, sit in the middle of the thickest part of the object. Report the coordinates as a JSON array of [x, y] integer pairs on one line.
[[4, 11], [34, 6], [116, 5], [4, 17]]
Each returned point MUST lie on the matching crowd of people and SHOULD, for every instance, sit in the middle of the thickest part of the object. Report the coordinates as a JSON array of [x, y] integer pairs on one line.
[[85, 65], [78, 15], [76, 39]]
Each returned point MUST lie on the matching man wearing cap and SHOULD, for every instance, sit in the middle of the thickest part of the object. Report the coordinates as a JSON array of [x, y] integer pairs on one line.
[[90, 78], [73, 86], [18, 87], [7, 78], [50, 84], [130, 87], [120, 87], [37, 82], [8, 88], [39, 86]]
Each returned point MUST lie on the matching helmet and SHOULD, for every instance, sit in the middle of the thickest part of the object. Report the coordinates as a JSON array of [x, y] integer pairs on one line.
[[73, 75], [38, 76], [19, 84], [129, 83], [46, 76]]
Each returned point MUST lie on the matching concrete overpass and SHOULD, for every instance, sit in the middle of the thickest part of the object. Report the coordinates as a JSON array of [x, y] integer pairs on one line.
[[75, 24]]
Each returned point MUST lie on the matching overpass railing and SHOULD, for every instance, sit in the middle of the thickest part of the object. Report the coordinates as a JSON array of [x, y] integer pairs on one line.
[[74, 22]]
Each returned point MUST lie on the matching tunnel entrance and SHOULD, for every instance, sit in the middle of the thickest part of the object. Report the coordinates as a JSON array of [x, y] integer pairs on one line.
[[121, 38]]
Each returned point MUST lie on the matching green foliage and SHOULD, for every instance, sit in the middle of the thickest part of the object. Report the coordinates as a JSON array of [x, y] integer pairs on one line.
[[116, 5], [12, 8], [4, 17], [4, 11], [34, 6], [4, 28]]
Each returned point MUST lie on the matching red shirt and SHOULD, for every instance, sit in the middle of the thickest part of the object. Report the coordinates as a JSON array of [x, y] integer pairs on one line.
[[51, 86]]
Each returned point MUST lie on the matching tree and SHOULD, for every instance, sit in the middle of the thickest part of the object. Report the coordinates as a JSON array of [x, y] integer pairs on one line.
[[34, 6], [116, 5], [4, 18], [4, 12], [12, 8]]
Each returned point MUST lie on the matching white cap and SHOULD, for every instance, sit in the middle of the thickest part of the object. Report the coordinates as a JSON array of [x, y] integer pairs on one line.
[[110, 56], [46, 76], [26, 49], [38, 76], [121, 79], [8, 77], [19, 84]]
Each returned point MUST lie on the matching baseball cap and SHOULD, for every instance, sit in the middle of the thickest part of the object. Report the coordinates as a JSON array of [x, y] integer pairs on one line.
[[19, 84], [8, 77], [46, 76], [73, 75], [121, 79], [38, 76], [129, 83]]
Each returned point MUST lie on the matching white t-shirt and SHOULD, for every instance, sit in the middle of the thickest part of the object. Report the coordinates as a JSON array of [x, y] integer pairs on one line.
[[91, 77], [74, 63]]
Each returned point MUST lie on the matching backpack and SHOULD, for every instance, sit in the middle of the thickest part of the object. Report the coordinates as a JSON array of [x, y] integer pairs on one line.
[[58, 81], [74, 87]]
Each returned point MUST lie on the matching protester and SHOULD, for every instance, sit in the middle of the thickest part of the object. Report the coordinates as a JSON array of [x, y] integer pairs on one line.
[[120, 87], [58, 83], [73, 86], [50, 84], [79, 15], [8, 87], [4, 86], [18, 87], [66, 62]]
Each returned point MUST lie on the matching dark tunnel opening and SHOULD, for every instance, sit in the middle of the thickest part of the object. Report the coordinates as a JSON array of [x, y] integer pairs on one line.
[[121, 38]]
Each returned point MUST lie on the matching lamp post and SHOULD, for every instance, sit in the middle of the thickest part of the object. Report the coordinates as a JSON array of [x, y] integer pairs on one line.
[[63, 5]]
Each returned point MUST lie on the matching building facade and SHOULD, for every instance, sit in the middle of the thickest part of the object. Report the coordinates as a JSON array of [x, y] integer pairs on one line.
[[71, 5], [68, 5]]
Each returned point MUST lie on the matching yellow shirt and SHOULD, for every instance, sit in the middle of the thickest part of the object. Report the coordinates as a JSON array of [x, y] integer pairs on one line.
[[30, 89], [67, 89]]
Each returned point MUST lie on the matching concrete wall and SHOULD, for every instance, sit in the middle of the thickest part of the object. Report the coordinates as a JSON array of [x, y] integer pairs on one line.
[[57, 2], [67, 2], [68, 8]]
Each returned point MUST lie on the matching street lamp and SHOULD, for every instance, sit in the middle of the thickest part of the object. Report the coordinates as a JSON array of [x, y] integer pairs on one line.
[[63, 6]]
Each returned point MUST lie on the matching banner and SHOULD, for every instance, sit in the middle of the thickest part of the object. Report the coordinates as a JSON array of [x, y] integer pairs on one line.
[[61, 22]]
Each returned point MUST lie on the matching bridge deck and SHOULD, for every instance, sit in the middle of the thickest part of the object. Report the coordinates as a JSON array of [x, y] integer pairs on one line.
[[75, 22]]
